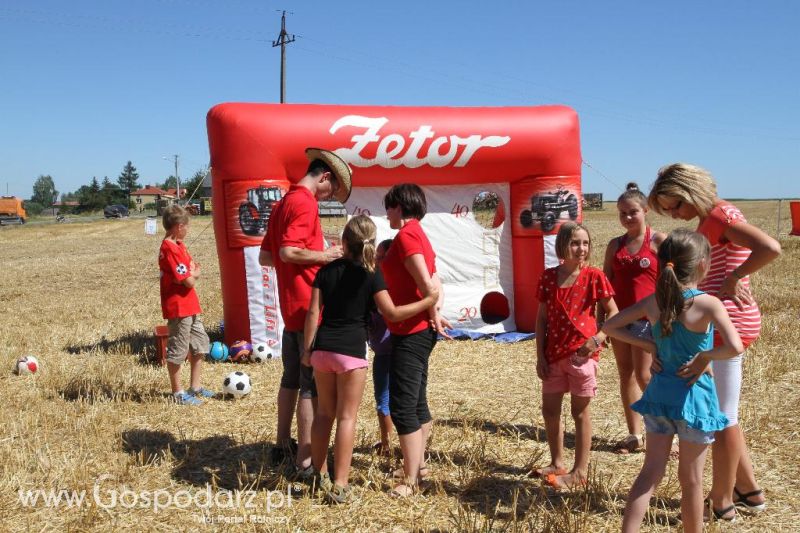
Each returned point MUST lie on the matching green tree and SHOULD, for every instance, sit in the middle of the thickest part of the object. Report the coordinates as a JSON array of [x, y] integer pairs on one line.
[[129, 179], [170, 183], [44, 191], [112, 193], [69, 197], [192, 184], [90, 197], [33, 208]]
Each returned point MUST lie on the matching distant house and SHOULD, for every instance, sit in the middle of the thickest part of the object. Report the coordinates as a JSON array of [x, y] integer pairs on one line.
[[150, 195], [58, 206], [174, 193], [205, 188]]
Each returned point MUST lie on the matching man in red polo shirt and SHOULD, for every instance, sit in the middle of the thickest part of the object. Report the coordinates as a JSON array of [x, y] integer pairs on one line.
[[293, 244]]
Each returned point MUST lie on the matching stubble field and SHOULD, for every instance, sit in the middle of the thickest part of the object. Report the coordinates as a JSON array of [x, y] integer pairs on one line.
[[97, 418]]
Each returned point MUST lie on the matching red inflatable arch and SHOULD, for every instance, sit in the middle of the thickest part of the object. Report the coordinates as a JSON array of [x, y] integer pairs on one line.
[[529, 156]]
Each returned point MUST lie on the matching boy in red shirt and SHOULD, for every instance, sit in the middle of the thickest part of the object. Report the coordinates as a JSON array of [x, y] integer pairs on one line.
[[181, 307]]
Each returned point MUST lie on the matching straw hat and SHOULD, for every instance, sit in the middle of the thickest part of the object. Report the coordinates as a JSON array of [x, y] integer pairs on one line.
[[340, 169]]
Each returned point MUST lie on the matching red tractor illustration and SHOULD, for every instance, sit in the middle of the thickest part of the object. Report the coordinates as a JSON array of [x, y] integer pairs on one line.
[[546, 209], [254, 213]]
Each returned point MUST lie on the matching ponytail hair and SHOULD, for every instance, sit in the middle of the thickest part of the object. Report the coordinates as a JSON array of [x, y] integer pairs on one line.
[[633, 192], [359, 234], [679, 258]]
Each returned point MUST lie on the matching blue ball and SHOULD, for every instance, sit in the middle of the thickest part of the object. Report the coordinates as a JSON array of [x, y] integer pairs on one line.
[[218, 352]]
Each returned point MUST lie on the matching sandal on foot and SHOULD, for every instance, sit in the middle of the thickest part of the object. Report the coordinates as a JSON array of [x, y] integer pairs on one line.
[[630, 444], [404, 490], [743, 500], [555, 482], [423, 475], [719, 514], [545, 471], [321, 483], [339, 495]]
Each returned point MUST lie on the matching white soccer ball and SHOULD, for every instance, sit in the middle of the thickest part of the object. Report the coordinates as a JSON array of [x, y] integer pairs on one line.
[[26, 365], [237, 383], [261, 352]]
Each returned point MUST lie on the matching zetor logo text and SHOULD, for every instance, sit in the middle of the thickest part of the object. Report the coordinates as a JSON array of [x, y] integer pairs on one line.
[[441, 151]]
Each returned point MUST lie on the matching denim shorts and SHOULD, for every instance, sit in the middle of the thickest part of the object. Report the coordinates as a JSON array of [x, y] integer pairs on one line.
[[667, 426], [641, 329]]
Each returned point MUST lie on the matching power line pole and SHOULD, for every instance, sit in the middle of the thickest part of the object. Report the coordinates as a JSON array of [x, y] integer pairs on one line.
[[283, 39], [177, 179]]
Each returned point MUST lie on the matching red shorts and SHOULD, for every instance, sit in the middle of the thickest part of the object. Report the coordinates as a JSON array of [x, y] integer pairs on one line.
[[336, 363], [564, 376]]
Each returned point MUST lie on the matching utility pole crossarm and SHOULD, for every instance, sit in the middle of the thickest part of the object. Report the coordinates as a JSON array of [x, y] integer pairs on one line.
[[284, 38]]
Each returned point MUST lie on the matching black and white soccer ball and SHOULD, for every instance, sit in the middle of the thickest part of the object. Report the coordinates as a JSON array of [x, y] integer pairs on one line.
[[261, 352], [181, 269], [237, 384]]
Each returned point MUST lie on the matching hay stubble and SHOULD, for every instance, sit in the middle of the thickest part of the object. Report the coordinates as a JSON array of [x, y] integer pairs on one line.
[[84, 299]]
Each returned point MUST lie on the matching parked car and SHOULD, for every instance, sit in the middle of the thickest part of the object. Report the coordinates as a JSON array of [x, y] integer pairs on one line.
[[115, 211]]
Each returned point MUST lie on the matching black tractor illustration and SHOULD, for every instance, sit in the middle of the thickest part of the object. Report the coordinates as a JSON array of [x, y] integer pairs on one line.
[[547, 208], [254, 213]]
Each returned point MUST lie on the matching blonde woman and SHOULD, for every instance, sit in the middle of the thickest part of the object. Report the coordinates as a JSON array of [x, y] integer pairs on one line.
[[738, 250]]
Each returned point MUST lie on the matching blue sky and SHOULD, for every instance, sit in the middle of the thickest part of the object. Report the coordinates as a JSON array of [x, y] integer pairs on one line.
[[87, 85]]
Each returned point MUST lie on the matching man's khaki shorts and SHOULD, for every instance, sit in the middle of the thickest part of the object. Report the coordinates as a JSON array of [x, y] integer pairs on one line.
[[185, 334]]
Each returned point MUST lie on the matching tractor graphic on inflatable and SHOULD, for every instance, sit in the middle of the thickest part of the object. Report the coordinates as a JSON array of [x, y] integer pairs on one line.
[[254, 213], [546, 209]]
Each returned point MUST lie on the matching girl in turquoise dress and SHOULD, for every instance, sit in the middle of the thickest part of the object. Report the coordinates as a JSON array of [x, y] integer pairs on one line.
[[681, 398]]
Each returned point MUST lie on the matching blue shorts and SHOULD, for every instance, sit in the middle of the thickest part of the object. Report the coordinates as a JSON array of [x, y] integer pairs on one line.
[[380, 379], [662, 425]]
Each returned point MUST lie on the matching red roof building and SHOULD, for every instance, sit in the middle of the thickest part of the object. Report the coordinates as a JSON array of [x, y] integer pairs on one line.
[[150, 195]]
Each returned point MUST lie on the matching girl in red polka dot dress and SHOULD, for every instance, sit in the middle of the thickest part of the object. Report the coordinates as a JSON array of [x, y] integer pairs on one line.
[[568, 344]]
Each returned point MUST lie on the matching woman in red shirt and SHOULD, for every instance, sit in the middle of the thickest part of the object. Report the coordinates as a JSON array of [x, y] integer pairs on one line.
[[631, 266], [409, 269], [738, 250]]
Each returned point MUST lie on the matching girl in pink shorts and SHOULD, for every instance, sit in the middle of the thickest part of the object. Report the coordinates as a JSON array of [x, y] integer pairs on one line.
[[344, 293], [567, 348]]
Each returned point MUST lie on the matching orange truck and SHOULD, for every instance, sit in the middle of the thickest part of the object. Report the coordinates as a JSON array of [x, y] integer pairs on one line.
[[11, 211]]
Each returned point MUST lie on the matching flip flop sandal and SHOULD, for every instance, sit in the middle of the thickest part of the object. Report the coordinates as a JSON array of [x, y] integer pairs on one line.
[[541, 473], [630, 444], [719, 514], [743, 500], [551, 480]]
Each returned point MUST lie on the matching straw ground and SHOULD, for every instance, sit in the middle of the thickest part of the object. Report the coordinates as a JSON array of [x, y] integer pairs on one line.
[[83, 297]]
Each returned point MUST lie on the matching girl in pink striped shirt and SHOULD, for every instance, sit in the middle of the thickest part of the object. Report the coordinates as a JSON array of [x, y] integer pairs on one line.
[[738, 250]]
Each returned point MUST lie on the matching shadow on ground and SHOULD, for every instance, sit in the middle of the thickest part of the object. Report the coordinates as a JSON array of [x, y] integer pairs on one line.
[[139, 343], [217, 460]]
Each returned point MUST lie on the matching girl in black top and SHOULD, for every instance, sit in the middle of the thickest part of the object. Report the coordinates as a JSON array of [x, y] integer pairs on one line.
[[345, 291]]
